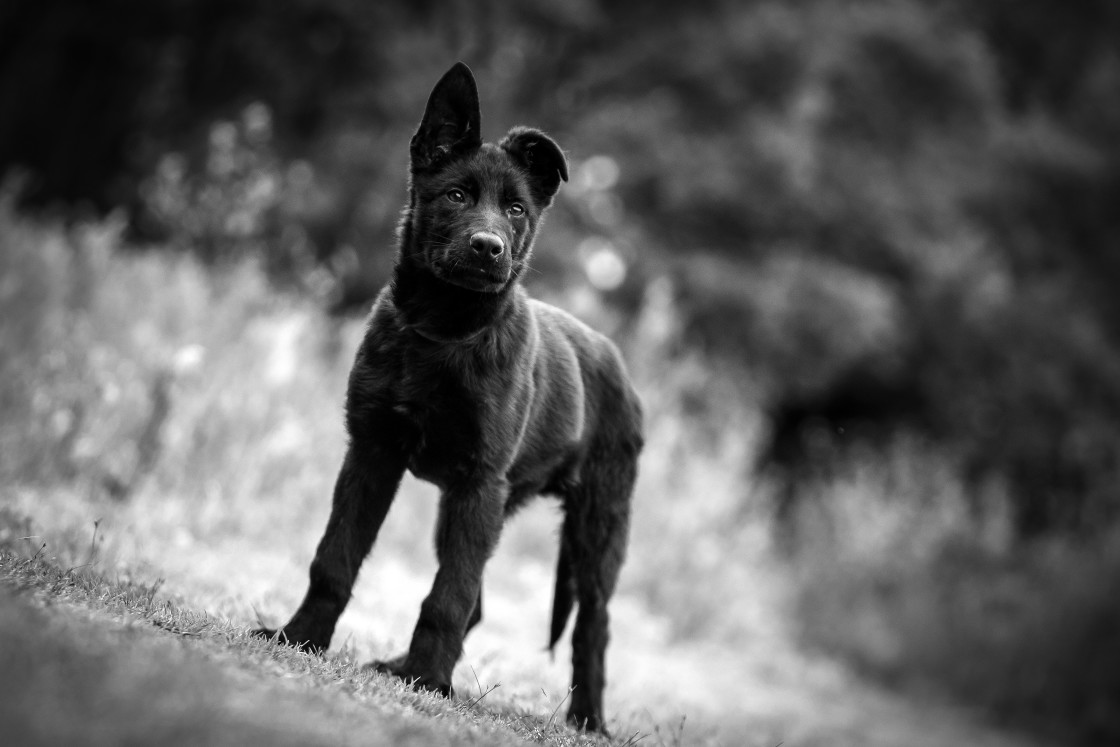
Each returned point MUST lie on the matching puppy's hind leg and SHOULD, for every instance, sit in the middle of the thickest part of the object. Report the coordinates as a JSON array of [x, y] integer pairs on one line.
[[596, 528]]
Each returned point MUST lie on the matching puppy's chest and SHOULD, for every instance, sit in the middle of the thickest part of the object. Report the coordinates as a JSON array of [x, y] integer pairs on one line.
[[455, 425]]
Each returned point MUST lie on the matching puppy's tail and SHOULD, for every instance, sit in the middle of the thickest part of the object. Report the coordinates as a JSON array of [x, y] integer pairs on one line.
[[564, 597]]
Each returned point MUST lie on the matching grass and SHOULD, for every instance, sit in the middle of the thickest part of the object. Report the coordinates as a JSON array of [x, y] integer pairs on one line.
[[123, 663]]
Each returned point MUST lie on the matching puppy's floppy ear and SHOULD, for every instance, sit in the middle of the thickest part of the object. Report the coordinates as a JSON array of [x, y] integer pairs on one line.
[[541, 157], [451, 120]]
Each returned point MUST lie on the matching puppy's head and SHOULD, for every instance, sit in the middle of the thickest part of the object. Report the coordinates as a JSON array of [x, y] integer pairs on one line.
[[475, 207]]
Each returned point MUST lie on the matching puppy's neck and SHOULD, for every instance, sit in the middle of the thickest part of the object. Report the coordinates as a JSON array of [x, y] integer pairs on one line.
[[442, 312]]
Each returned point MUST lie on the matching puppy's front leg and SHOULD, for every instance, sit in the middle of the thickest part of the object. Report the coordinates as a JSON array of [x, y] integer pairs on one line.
[[366, 485], [470, 521]]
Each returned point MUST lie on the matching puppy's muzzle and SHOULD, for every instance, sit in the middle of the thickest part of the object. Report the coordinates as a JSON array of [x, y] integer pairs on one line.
[[487, 245]]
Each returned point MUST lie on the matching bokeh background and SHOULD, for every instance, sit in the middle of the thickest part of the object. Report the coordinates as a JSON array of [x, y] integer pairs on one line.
[[863, 257]]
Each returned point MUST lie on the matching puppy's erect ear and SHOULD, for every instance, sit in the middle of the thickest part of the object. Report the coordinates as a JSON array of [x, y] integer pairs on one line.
[[541, 157], [451, 120]]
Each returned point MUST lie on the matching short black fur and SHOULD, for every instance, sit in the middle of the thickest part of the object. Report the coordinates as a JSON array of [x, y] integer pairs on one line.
[[467, 382]]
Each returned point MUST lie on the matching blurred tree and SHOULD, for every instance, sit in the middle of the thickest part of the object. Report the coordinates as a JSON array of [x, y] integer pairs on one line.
[[95, 92], [916, 194]]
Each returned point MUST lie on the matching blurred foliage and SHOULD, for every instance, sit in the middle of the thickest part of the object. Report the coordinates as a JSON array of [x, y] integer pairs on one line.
[[102, 351]]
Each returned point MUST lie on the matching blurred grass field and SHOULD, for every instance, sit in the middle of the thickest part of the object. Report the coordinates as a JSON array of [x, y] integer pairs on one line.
[[188, 419]]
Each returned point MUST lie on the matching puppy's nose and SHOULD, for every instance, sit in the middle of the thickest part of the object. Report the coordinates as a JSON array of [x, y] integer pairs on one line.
[[488, 243]]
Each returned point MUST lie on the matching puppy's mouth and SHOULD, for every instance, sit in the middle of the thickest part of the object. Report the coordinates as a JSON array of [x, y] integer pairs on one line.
[[478, 279]]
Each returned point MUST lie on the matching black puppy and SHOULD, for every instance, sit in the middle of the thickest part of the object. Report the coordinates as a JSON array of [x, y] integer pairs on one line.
[[494, 397]]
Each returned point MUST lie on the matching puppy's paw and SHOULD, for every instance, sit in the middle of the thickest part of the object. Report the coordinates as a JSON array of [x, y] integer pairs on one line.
[[398, 667], [281, 635], [591, 722], [392, 666]]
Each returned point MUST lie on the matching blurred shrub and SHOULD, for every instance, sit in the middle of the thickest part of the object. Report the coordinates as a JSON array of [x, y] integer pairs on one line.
[[889, 217], [36, 289], [103, 352], [901, 578], [241, 202], [230, 200]]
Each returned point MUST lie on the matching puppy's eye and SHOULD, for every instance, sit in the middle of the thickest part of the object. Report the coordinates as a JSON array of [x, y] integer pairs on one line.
[[517, 210], [456, 195]]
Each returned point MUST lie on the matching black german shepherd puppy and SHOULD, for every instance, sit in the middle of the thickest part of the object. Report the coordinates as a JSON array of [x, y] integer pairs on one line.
[[494, 397]]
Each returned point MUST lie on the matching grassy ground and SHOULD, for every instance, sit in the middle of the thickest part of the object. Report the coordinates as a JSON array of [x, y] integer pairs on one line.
[[87, 660]]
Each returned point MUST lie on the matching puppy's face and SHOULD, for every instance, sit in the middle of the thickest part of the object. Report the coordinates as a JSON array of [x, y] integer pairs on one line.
[[475, 219], [475, 206]]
